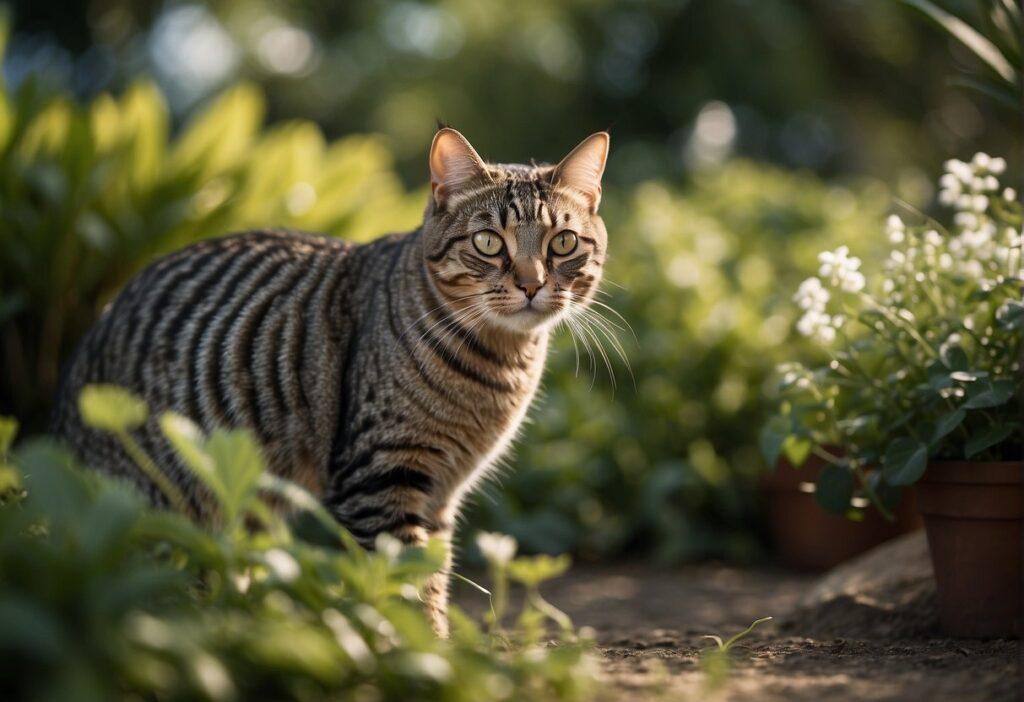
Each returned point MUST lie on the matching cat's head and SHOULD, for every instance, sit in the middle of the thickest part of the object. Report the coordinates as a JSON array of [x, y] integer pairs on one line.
[[514, 246]]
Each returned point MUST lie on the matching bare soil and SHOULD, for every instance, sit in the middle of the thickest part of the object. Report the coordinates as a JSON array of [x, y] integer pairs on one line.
[[867, 631]]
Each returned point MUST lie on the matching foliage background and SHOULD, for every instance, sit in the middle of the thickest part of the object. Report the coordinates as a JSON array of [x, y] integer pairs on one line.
[[748, 136]]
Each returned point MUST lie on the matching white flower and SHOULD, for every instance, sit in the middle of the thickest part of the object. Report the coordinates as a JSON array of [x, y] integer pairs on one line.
[[1009, 194], [991, 183], [498, 549], [933, 237], [825, 334], [888, 285], [981, 160], [997, 165], [968, 220], [282, 564], [979, 203], [945, 261], [973, 268], [811, 295], [895, 228], [853, 282], [818, 325], [959, 170], [839, 267]]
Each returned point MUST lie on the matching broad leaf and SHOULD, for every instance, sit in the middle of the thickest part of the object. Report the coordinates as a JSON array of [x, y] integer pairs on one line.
[[954, 357], [946, 424], [988, 437], [905, 461], [835, 488], [989, 393], [1011, 315]]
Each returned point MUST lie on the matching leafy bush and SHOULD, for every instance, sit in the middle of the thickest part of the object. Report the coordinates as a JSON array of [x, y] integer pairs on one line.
[[91, 194], [102, 597], [664, 460], [925, 361]]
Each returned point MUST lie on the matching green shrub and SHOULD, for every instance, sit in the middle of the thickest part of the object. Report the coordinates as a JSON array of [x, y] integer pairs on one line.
[[102, 597]]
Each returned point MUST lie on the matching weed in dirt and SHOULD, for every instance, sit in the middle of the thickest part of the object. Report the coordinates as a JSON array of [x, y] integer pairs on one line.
[[716, 662]]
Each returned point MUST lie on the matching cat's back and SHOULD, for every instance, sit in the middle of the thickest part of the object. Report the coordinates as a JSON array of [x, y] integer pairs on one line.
[[229, 332]]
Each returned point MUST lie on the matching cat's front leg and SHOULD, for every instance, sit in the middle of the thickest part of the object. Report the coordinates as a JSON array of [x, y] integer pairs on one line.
[[434, 592], [365, 523]]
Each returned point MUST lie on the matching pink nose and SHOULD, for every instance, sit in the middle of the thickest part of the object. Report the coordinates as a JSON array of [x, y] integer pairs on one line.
[[530, 289]]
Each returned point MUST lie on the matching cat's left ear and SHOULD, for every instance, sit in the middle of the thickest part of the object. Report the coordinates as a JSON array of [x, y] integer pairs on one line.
[[582, 169]]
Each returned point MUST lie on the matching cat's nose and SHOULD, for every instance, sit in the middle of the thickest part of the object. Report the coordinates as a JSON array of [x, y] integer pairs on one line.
[[530, 288]]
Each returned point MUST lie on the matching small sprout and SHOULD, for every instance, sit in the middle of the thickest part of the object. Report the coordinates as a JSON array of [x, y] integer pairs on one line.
[[715, 661]]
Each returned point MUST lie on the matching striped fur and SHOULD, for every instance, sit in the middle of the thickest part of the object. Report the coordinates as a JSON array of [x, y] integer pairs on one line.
[[385, 377]]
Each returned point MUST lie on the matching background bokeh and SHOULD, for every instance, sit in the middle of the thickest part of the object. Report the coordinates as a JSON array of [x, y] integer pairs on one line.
[[747, 136]]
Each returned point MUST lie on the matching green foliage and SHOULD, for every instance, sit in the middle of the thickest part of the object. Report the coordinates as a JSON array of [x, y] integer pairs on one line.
[[93, 193], [103, 597], [703, 274]]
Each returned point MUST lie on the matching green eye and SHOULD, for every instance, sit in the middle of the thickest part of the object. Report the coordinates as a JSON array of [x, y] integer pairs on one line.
[[487, 242], [564, 243]]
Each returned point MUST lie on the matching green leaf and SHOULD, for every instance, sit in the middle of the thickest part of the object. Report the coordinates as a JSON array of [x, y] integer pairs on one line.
[[772, 437], [111, 408], [989, 393], [969, 37], [531, 571], [988, 437], [905, 461], [8, 430], [938, 376], [955, 358], [796, 450], [946, 424], [1011, 315], [188, 440], [835, 488], [239, 464]]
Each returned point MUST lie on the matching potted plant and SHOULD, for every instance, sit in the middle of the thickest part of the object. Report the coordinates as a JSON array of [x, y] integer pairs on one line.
[[924, 383], [809, 538]]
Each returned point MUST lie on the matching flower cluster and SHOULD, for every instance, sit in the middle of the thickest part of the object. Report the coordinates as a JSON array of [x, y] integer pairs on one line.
[[984, 249]]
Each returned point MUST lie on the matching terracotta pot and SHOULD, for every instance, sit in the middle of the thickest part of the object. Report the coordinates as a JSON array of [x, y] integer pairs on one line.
[[974, 513], [806, 537]]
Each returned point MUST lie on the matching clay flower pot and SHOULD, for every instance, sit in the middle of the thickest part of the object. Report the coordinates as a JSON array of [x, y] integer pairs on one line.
[[974, 513], [806, 537]]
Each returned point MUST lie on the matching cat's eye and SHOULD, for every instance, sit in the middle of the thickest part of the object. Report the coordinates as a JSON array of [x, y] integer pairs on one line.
[[564, 243], [487, 242]]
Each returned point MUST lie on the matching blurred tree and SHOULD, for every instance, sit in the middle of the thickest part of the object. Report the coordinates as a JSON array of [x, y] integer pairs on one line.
[[837, 86]]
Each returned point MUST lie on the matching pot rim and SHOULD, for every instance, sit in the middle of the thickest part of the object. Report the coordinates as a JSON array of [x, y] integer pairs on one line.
[[967, 472]]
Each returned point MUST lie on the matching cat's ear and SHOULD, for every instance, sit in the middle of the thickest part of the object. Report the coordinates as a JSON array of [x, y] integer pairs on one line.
[[582, 169], [454, 165]]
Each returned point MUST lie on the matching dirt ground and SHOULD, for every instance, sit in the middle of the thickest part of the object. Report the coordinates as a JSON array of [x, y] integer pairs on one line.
[[864, 632]]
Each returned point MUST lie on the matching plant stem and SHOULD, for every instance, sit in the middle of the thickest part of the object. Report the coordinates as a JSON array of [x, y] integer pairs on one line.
[[147, 466], [872, 495]]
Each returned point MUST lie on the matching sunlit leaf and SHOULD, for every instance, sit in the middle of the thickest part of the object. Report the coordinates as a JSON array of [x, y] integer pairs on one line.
[[111, 408]]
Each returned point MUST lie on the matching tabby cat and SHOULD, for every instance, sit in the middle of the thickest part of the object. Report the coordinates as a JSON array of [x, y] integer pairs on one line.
[[386, 377]]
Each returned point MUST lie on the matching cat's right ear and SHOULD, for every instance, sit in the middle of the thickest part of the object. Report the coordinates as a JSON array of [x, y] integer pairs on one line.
[[454, 165]]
